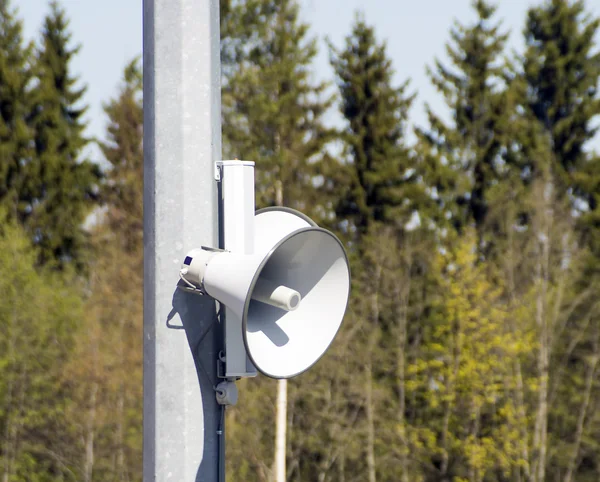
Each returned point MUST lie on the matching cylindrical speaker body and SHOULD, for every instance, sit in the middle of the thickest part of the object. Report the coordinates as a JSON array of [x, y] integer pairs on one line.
[[228, 278], [195, 264]]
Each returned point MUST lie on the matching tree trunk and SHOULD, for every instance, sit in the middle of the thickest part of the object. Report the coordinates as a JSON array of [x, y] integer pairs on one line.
[[370, 404], [522, 418], [20, 409], [90, 424], [451, 397], [445, 426], [120, 440], [519, 389], [88, 465], [280, 437], [404, 298], [370, 422], [121, 469], [8, 449], [538, 472], [281, 417], [589, 383], [342, 468], [475, 474]]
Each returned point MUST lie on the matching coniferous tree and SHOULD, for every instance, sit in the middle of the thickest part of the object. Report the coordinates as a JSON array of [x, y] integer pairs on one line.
[[472, 145], [378, 182], [15, 135], [243, 23], [60, 186], [272, 112], [122, 190], [561, 71]]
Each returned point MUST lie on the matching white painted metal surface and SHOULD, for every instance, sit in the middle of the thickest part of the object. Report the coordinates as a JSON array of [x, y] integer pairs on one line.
[[236, 180]]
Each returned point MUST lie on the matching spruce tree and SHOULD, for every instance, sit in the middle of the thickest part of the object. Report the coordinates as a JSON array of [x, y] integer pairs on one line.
[[272, 111], [377, 183], [122, 191], [15, 135], [60, 187], [376, 193], [243, 23], [561, 69], [472, 145]]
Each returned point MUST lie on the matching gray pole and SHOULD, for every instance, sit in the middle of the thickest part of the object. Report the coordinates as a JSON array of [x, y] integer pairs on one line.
[[182, 140]]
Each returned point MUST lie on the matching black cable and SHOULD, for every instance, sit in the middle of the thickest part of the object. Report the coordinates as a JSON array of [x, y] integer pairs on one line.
[[221, 435], [216, 319], [221, 427]]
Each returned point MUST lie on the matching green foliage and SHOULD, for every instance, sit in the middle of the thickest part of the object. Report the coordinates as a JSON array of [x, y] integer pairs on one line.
[[272, 113], [60, 186], [561, 70], [108, 361], [15, 135], [250, 452], [44, 184], [377, 180], [122, 190], [462, 375], [466, 354], [472, 145], [448, 366], [39, 316]]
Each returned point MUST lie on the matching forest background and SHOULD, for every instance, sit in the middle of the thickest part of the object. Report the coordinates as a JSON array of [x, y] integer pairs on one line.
[[471, 348]]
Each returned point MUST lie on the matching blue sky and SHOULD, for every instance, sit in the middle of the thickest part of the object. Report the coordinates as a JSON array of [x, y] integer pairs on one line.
[[110, 34]]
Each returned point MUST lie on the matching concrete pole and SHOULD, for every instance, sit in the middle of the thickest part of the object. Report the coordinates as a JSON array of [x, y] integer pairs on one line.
[[182, 141]]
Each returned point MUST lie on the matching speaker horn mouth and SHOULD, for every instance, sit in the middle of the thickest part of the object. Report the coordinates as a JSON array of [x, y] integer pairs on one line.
[[280, 330]]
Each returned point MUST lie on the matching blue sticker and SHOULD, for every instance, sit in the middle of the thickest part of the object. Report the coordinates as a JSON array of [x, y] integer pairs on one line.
[[187, 260]]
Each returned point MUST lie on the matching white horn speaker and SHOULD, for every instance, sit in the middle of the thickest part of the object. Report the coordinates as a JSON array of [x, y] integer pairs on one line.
[[291, 294]]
